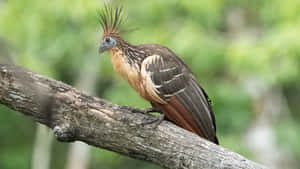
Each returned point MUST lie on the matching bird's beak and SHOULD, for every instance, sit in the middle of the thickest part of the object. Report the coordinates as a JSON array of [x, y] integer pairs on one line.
[[103, 48]]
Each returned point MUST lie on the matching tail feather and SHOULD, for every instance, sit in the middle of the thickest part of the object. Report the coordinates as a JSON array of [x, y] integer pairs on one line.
[[176, 112]]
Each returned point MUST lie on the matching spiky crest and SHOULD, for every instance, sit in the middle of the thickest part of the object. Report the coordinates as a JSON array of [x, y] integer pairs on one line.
[[110, 20]]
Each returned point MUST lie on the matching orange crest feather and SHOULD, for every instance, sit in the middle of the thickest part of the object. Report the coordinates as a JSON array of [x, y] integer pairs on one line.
[[110, 20]]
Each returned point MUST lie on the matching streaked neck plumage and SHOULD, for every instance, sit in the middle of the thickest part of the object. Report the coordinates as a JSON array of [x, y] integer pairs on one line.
[[131, 53]]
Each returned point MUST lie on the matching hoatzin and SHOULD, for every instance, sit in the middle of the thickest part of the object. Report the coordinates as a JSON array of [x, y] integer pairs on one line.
[[160, 77]]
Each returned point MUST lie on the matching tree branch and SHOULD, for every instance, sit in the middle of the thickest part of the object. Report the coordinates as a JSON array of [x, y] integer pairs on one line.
[[75, 116]]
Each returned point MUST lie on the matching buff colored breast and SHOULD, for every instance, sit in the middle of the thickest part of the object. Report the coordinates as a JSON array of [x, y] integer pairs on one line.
[[131, 73]]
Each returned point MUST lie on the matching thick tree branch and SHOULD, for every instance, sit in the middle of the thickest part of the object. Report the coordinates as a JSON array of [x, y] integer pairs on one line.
[[76, 116]]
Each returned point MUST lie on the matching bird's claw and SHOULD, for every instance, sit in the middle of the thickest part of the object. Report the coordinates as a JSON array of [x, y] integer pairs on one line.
[[138, 110], [148, 110], [155, 122]]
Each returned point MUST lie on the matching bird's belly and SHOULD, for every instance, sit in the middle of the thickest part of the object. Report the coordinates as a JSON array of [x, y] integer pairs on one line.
[[132, 76]]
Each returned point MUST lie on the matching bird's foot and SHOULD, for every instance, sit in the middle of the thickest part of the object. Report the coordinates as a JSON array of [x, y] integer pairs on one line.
[[155, 122], [138, 110], [149, 110]]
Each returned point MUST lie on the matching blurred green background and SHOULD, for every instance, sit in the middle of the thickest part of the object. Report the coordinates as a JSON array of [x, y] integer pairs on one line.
[[246, 54]]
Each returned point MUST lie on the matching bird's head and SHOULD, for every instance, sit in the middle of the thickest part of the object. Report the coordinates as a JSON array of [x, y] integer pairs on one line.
[[110, 20], [107, 43]]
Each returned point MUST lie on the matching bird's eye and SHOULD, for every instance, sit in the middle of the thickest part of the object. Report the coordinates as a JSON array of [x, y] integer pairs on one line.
[[107, 40]]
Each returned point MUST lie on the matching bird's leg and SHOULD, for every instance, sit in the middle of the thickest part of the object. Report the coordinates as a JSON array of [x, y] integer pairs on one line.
[[143, 111], [156, 121], [149, 110]]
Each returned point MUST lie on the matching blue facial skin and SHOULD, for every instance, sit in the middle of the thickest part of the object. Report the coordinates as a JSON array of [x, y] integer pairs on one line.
[[108, 42]]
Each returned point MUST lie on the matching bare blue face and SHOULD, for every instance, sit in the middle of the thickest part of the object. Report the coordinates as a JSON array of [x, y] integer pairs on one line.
[[108, 42]]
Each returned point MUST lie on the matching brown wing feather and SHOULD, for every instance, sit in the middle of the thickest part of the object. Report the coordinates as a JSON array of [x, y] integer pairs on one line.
[[198, 108], [185, 102], [176, 112]]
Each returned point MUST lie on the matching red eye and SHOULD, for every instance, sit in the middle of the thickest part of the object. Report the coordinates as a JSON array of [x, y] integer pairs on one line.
[[107, 40]]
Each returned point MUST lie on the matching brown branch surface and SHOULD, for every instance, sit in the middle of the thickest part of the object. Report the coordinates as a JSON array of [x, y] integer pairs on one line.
[[75, 116]]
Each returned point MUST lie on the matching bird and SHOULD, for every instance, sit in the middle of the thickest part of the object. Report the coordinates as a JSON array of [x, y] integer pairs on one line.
[[159, 76]]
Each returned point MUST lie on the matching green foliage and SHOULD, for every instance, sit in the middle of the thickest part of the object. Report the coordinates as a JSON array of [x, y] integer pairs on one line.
[[261, 40]]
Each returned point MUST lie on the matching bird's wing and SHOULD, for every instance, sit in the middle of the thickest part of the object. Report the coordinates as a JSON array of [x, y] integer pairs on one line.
[[174, 90]]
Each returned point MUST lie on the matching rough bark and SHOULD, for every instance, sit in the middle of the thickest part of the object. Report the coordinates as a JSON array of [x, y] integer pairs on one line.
[[75, 116]]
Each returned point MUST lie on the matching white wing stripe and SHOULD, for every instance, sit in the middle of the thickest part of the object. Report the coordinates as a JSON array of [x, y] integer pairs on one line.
[[150, 87], [173, 78], [175, 93], [168, 69]]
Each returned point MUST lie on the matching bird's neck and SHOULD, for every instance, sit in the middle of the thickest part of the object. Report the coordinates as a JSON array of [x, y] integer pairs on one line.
[[130, 52], [124, 55]]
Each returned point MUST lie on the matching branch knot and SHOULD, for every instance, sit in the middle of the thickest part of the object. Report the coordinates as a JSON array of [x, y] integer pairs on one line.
[[64, 133]]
